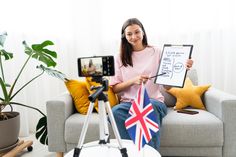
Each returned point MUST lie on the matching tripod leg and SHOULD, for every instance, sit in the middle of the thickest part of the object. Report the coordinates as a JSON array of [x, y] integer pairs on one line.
[[115, 129], [84, 130], [113, 124], [104, 133], [101, 112]]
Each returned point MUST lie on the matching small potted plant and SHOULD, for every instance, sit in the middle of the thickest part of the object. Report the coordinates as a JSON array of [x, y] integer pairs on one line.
[[9, 91]]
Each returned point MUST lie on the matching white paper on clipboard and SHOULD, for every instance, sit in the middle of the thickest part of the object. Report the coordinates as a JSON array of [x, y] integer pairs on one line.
[[172, 64]]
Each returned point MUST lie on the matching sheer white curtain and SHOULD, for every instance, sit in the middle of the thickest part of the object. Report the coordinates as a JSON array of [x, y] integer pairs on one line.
[[92, 27]]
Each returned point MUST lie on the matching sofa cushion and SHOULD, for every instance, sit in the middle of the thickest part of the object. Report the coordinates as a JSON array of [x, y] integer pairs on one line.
[[203, 129], [189, 95], [170, 100], [79, 93]]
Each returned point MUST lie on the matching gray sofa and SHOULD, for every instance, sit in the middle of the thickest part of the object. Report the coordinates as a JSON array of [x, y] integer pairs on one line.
[[209, 133]]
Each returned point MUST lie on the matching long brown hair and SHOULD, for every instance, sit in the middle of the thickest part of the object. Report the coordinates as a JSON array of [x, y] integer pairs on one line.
[[126, 48]]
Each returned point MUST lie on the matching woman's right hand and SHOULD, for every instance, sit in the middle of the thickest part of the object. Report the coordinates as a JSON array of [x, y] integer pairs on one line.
[[139, 79], [134, 81]]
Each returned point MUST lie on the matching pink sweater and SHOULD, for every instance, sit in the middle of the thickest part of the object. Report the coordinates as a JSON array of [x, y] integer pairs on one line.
[[145, 62]]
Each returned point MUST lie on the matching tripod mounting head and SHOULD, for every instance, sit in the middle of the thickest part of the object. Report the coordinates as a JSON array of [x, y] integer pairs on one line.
[[102, 81], [99, 89]]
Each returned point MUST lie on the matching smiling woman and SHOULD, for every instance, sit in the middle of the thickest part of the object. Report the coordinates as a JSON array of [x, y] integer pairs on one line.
[[91, 27]]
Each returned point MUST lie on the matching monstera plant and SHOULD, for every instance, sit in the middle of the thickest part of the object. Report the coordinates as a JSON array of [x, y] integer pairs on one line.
[[43, 55]]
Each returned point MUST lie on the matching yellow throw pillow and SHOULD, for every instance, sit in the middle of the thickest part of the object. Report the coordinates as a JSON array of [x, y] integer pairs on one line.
[[79, 93], [189, 95], [112, 97]]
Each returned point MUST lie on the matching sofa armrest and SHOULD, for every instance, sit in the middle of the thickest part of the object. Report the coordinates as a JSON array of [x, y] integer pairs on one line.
[[58, 110], [223, 105]]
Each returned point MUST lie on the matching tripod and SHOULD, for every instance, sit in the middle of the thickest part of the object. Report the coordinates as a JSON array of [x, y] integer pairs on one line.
[[103, 106]]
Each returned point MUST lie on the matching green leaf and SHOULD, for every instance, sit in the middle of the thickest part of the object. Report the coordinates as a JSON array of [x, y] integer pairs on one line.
[[39, 52], [28, 50], [35, 56], [3, 38], [53, 72], [48, 60], [7, 55], [51, 53], [41, 131], [39, 47]]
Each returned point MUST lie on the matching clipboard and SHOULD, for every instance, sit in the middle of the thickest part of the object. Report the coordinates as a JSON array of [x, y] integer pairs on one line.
[[172, 71]]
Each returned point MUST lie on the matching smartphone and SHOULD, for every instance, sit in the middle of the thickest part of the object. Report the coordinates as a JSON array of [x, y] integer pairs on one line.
[[96, 66], [187, 111]]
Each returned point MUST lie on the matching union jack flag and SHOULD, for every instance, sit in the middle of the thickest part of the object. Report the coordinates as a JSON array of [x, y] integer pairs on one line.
[[141, 123]]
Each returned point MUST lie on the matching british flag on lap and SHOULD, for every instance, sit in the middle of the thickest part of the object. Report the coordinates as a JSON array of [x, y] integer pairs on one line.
[[141, 123]]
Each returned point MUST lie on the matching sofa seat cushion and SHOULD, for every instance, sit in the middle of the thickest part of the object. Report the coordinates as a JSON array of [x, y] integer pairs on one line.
[[202, 129], [74, 125], [178, 129]]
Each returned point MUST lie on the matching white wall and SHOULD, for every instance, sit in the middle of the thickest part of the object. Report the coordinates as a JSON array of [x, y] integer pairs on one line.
[[92, 27]]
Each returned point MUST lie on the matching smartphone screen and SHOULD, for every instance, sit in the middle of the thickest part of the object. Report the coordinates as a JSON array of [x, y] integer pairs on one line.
[[96, 66]]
